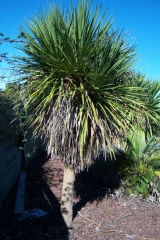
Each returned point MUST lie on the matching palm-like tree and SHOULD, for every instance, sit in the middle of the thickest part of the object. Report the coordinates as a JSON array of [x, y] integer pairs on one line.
[[151, 95], [153, 100], [73, 83]]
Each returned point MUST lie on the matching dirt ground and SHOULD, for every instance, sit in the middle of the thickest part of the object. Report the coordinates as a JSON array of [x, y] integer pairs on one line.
[[96, 216]]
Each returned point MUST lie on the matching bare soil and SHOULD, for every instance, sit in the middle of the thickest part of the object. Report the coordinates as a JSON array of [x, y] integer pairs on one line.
[[96, 216]]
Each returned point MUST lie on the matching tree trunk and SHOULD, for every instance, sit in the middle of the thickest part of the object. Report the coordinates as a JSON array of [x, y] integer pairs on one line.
[[67, 195]]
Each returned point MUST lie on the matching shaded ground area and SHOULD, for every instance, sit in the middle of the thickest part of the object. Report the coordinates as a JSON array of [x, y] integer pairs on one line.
[[96, 216]]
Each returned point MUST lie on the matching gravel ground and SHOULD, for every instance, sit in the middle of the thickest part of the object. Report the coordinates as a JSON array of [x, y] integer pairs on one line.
[[96, 216]]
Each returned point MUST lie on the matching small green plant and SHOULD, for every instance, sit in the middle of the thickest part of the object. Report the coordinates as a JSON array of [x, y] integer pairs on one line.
[[48, 182], [107, 211], [28, 183], [158, 187], [141, 187], [127, 192], [138, 162], [28, 155]]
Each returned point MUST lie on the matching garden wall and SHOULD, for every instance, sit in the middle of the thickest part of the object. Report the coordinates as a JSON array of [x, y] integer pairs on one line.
[[12, 159], [10, 165]]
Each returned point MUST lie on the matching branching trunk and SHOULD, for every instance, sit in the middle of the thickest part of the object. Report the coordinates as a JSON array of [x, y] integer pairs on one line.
[[67, 195]]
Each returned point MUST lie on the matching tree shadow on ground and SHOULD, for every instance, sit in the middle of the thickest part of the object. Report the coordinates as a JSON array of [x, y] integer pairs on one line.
[[43, 198], [37, 196], [96, 183]]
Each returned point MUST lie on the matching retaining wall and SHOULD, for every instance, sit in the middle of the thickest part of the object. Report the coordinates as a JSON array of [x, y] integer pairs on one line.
[[12, 159]]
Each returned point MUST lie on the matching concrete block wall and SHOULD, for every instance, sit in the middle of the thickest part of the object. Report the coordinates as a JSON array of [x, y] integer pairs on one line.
[[10, 166], [11, 160]]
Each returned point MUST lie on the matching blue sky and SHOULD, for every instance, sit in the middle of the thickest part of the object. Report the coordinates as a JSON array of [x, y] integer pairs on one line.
[[140, 20]]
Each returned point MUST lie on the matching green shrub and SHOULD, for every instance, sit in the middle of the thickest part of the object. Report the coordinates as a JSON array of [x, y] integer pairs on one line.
[[138, 161], [127, 191]]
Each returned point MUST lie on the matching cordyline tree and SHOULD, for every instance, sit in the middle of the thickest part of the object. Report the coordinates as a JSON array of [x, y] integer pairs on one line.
[[152, 98], [73, 68]]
